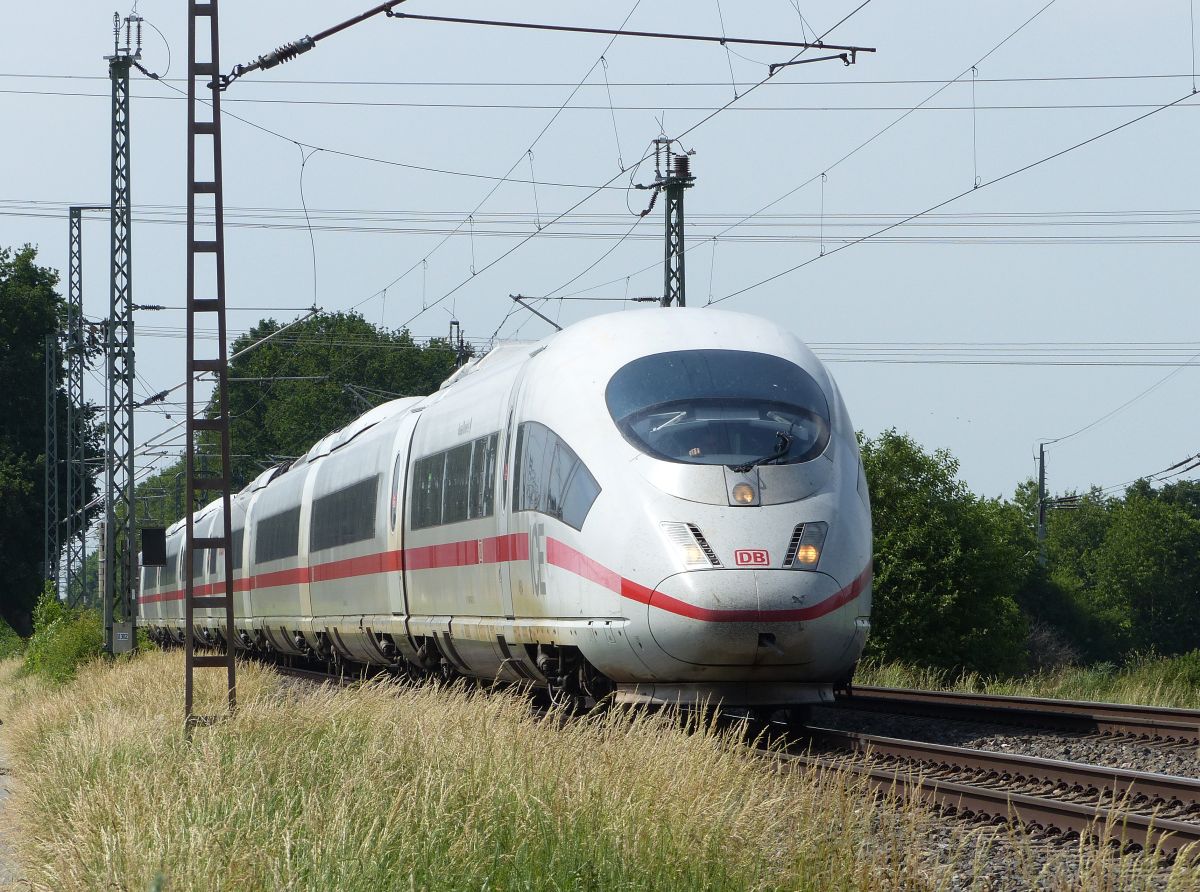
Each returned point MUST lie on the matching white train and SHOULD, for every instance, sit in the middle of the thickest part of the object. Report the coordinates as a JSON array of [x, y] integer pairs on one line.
[[662, 506]]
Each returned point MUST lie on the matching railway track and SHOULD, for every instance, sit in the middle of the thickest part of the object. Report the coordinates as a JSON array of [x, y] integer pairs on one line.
[[1151, 811], [1154, 724]]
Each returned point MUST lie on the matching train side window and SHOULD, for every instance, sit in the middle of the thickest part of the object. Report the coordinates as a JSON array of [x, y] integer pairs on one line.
[[212, 556], [345, 516], [239, 540], [277, 536], [457, 486], [170, 568], [581, 492], [483, 476], [197, 563], [550, 477], [149, 578], [428, 473]]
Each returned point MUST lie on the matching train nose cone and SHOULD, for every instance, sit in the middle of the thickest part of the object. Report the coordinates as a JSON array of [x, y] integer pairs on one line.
[[739, 617]]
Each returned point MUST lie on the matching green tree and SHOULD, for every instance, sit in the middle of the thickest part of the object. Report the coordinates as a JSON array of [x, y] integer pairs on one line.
[[1148, 574], [355, 365], [30, 309], [297, 387], [947, 563], [1075, 539]]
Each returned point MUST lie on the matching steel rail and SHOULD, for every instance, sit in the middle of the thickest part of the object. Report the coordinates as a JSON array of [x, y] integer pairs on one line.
[[1031, 812], [1129, 787], [1155, 723]]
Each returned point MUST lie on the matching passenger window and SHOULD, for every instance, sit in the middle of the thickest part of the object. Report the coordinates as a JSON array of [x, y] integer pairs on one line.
[[278, 536], [427, 491], [170, 569], [239, 539], [457, 485], [550, 477], [345, 516], [483, 476]]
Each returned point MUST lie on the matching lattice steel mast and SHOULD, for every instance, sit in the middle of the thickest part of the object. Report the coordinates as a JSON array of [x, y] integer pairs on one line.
[[120, 518], [209, 279], [674, 176], [50, 548], [75, 523]]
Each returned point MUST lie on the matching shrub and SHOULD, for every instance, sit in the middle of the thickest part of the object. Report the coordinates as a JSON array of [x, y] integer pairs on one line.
[[63, 639], [11, 644]]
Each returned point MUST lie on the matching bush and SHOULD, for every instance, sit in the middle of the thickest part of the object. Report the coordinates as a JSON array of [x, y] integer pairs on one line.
[[11, 644], [63, 640]]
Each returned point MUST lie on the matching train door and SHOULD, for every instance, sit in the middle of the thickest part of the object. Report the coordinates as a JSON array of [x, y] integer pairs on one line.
[[397, 594], [513, 569]]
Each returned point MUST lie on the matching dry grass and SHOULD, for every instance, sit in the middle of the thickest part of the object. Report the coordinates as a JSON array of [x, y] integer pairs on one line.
[[421, 788], [1150, 681]]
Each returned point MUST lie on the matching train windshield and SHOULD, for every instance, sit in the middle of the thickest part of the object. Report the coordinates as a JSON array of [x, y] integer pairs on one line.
[[720, 407]]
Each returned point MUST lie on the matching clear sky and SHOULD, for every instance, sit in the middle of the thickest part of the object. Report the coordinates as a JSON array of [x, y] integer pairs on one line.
[[1047, 300]]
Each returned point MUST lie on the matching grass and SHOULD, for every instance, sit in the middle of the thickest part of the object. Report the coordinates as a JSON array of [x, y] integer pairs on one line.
[[382, 787], [1146, 680]]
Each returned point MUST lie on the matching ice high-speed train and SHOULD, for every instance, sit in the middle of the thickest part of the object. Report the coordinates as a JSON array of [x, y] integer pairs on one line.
[[661, 506]]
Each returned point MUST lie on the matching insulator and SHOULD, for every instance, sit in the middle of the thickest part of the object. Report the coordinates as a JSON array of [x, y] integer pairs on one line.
[[683, 166], [286, 53]]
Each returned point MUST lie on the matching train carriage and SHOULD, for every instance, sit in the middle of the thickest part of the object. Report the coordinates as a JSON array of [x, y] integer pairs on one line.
[[657, 506]]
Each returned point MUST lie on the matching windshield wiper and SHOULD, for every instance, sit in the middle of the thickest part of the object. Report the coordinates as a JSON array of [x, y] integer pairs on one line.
[[782, 444]]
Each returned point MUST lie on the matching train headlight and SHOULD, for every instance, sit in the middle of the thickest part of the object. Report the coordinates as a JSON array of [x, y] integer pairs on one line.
[[810, 545], [694, 548], [743, 494]]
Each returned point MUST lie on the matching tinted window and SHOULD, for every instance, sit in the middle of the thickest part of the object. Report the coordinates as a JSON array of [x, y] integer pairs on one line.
[[278, 536], [428, 473], [718, 407], [550, 478], [170, 570], [457, 485], [239, 542], [197, 562], [345, 516], [149, 578], [483, 476]]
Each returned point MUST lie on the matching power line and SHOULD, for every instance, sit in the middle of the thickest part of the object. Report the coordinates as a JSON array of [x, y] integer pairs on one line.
[[621, 32], [588, 231], [973, 189], [528, 106], [673, 84], [870, 139], [635, 165], [368, 158]]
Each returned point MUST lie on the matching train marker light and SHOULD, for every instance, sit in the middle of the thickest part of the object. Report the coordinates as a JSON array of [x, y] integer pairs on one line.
[[743, 494], [808, 555], [812, 541]]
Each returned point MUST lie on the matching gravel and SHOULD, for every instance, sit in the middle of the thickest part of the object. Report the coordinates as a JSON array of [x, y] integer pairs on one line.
[[990, 859], [1111, 752]]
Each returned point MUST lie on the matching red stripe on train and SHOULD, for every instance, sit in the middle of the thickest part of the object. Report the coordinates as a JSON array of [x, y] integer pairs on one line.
[[515, 547]]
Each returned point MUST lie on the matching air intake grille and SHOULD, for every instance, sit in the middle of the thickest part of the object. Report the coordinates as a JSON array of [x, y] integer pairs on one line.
[[790, 557], [704, 546]]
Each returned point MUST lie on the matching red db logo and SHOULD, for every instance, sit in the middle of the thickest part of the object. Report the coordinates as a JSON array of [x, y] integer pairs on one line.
[[751, 557]]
